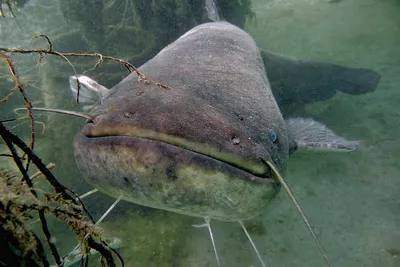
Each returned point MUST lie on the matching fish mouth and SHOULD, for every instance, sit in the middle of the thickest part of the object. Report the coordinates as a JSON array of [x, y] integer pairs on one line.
[[167, 172], [259, 169]]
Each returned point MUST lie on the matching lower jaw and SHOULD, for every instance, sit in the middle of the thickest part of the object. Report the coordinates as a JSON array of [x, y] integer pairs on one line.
[[167, 177]]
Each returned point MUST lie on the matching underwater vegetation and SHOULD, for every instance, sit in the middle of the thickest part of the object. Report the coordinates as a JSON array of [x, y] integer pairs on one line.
[[20, 200], [149, 28]]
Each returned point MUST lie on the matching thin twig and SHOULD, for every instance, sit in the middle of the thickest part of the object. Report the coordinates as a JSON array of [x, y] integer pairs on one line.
[[13, 141], [38, 173], [8, 96], [47, 38], [130, 67], [36, 160], [27, 103]]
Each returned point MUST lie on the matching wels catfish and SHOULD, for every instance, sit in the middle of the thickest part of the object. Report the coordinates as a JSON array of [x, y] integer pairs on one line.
[[213, 145]]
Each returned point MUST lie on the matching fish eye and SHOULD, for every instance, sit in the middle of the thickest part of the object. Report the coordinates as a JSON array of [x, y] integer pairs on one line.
[[273, 136]]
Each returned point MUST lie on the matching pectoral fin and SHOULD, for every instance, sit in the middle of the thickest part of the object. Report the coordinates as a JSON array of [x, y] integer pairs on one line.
[[90, 91], [310, 134]]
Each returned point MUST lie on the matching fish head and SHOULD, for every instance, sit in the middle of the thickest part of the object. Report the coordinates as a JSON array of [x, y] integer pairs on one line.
[[197, 147]]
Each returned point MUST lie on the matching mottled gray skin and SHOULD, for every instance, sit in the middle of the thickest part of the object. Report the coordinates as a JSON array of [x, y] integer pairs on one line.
[[219, 97], [198, 147]]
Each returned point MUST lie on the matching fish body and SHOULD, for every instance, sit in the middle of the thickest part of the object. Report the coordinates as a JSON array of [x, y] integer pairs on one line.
[[198, 148], [195, 148]]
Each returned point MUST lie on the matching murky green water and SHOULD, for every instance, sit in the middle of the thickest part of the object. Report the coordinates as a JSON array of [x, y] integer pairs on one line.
[[352, 199]]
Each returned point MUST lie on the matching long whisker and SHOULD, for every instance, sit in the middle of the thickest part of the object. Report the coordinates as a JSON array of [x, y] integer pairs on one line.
[[300, 210], [109, 210], [252, 243], [88, 193], [207, 224], [61, 111]]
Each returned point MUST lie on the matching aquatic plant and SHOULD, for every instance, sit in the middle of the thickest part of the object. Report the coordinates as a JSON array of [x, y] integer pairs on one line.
[[20, 199]]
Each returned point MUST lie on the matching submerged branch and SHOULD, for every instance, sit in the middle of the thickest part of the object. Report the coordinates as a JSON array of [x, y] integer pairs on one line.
[[101, 58], [6, 137], [19, 197], [27, 103]]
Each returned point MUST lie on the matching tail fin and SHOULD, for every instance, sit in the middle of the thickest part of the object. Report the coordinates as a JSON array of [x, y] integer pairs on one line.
[[297, 82], [355, 81]]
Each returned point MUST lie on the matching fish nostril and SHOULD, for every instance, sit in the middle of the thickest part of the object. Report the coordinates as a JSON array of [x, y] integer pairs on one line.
[[90, 121], [235, 140], [95, 119]]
